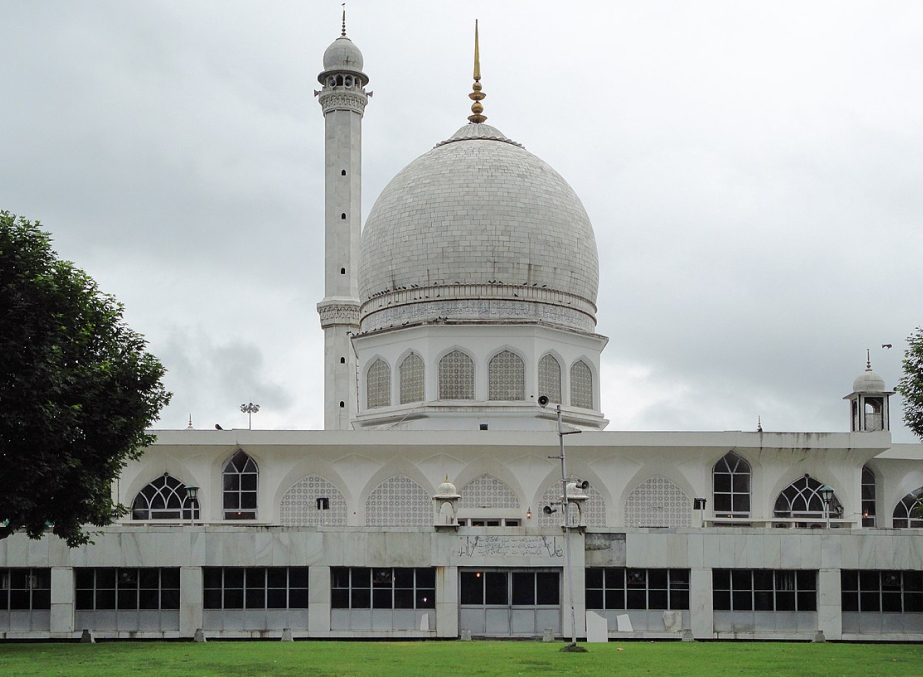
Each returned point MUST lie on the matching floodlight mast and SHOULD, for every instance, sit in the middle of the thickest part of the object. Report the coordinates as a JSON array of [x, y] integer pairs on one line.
[[565, 524]]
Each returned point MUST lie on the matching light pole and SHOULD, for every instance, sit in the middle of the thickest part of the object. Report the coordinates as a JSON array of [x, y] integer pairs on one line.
[[565, 512], [250, 409], [826, 494], [192, 495]]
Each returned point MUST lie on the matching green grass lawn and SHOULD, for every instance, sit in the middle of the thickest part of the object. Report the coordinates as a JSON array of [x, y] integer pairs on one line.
[[409, 659]]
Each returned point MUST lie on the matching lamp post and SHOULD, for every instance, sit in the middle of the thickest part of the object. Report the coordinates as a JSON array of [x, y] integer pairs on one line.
[[192, 495], [565, 513], [250, 409], [826, 494]]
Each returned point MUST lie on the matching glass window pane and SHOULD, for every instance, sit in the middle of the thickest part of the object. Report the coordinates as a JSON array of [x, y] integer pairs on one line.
[[105, 578], [426, 598], [256, 598], [403, 598], [615, 599], [807, 601], [234, 599], [721, 579], [82, 598], [361, 598], [169, 598], [850, 601], [594, 598], [472, 587], [403, 578], [891, 601], [298, 598], [426, 578], [615, 578], [83, 578], [149, 599], [276, 577], [743, 601], [381, 598], [381, 578], [339, 577], [276, 598], [339, 598], [361, 577], [169, 578], [785, 601], [763, 600], [721, 600], [657, 599], [722, 483], [549, 588], [637, 599], [594, 578], [849, 580], [679, 599], [495, 588], [657, 578], [105, 599], [128, 599], [523, 588]]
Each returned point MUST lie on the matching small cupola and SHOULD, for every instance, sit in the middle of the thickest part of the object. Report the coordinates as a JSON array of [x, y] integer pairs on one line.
[[869, 402]]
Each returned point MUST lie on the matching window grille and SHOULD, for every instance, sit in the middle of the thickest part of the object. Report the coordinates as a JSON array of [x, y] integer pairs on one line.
[[25, 589], [399, 502], [256, 587], [382, 588], [411, 375], [506, 374], [487, 492], [378, 384], [456, 377], [125, 589], [731, 479], [581, 385], [764, 590], [658, 503], [882, 591], [653, 589], [549, 378], [299, 506], [908, 513]]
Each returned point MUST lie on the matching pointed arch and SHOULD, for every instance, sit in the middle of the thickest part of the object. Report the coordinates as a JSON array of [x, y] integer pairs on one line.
[[731, 477], [399, 502], [908, 513], [302, 504], [164, 498], [487, 491], [581, 385], [506, 377], [802, 498], [869, 497], [456, 376], [378, 385], [412, 374], [240, 479], [549, 378], [658, 502]]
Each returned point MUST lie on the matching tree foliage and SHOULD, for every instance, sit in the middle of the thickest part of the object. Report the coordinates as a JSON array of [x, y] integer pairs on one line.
[[77, 390], [911, 384]]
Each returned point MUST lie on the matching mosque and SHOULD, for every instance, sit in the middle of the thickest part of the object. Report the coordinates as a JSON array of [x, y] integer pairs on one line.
[[449, 495]]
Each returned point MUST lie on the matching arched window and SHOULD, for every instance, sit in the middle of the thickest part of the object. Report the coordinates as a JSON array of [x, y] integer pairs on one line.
[[908, 514], [549, 378], [506, 377], [488, 492], [456, 377], [411, 374], [658, 503], [868, 497], [731, 478], [378, 385], [581, 385], [399, 502], [313, 501], [164, 499], [240, 476], [802, 498]]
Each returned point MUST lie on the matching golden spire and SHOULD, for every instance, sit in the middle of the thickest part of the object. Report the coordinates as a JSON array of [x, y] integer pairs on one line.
[[477, 95], [343, 32]]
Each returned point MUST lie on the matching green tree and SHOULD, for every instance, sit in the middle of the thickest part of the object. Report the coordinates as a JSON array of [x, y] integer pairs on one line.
[[77, 391], [911, 384]]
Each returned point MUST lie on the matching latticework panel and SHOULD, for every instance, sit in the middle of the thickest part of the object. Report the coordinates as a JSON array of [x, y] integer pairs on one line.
[[581, 385], [658, 503], [487, 492], [300, 506], [549, 378], [456, 377], [594, 508], [506, 377], [411, 375], [399, 502], [378, 384]]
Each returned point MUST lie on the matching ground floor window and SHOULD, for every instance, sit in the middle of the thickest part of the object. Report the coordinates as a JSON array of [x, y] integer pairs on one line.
[[256, 587], [613, 588], [887, 591], [382, 588], [25, 589], [502, 588], [126, 589], [764, 590]]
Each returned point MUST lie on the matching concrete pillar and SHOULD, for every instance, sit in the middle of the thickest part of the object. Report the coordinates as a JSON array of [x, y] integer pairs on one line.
[[578, 559], [318, 601], [829, 611], [62, 601], [447, 601], [191, 600], [701, 604]]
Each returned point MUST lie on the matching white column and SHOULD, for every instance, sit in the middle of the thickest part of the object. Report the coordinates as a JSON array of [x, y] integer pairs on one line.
[[829, 609], [191, 601], [62, 601], [447, 601], [701, 604], [319, 601]]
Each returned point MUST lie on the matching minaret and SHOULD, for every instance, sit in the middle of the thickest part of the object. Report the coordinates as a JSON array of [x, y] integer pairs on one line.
[[869, 401], [343, 99]]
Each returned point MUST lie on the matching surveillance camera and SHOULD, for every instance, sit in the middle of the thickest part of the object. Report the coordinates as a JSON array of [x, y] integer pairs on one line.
[[543, 401]]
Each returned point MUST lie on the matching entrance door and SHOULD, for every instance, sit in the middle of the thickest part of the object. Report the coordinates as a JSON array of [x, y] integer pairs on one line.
[[510, 602]]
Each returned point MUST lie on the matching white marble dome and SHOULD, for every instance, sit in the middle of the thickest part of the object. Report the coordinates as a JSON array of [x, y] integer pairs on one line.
[[342, 54], [868, 382], [478, 229]]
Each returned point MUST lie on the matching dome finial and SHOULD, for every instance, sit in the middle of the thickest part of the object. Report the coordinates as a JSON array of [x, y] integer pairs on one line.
[[343, 31], [477, 95], [868, 360]]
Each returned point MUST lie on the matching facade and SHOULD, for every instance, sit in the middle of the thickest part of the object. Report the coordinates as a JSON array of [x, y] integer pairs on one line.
[[431, 505]]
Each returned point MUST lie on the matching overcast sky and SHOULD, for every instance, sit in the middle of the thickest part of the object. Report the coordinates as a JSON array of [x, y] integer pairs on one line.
[[753, 171]]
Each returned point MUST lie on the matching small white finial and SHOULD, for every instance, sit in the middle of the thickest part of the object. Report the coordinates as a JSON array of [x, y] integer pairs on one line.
[[189, 427], [343, 32]]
